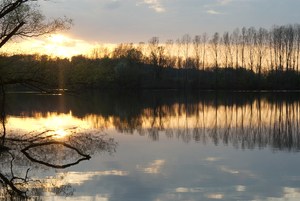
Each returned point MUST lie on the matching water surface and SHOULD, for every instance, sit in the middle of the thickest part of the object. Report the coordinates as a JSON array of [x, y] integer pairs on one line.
[[155, 145]]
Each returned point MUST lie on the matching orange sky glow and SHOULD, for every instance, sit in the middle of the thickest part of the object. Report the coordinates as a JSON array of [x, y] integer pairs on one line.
[[55, 45]]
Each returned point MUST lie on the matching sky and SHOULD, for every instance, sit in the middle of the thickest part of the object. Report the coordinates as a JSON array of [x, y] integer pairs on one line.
[[125, 21], [116, 21]]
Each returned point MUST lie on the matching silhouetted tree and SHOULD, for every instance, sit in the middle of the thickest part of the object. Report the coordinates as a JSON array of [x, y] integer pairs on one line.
[[227, 46], [215, 47], [197, 49], [22, 18], [204, 41]]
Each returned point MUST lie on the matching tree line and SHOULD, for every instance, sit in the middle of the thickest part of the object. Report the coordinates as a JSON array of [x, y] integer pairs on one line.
[[245, 59], [259, 50]]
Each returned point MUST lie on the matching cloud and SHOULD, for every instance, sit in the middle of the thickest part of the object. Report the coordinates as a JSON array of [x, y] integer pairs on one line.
[[213, 12], [113, 4], [224, 2], [219, 3], [155, 5]]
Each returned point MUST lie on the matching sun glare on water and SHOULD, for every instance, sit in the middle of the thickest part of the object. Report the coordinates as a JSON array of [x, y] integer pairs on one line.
[[58, 126], [61, 133]]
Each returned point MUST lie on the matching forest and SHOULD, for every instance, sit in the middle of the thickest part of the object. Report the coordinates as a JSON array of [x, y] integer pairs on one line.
[[244, 59]]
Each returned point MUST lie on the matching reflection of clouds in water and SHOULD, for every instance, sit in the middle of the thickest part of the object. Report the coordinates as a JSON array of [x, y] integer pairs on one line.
[[229, 170], [244, 173], [81, 177], [288, 194], [188, 190], [153, 168], [212, 159], [216, 196], [291, 193], [240, 188], [98, 197]]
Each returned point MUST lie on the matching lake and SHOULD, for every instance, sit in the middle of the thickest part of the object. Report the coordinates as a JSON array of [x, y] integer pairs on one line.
[[152, 146]]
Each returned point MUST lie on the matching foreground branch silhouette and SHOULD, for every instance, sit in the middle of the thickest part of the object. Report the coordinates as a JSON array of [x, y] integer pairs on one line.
[[26, 151], [84, 156], [21, 18]]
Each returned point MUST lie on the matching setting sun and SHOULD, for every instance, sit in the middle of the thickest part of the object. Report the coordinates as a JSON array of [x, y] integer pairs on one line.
[[64, 46], [56, 45], [58, 39]]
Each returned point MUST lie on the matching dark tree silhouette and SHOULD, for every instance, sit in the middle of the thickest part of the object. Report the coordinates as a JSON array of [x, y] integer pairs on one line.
[[22, 18]]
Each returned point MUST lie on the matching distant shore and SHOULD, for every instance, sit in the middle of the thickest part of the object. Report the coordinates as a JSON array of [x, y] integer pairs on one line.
[[124, 73]]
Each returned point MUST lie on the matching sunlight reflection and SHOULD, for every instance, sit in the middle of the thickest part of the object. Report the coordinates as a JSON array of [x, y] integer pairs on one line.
[[60, 133], [58, 125]]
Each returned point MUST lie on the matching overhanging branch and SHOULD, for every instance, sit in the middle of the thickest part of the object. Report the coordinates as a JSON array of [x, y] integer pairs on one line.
[[11, 34]]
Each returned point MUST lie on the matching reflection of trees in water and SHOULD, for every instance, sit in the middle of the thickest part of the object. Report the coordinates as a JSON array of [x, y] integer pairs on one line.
[[258, 123], [31, 153], [243, 119]]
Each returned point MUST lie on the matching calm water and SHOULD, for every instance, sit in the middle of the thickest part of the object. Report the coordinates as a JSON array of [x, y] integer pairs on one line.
[[154, 145]]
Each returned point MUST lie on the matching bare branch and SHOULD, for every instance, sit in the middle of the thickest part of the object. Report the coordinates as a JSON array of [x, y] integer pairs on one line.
[[21, 18]]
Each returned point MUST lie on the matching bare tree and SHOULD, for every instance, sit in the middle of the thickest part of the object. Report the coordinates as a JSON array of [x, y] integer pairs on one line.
[[197, 49], [179, 57], [236, 42], [186, 42], [243, 42], [262, 36], [227, 46], [271, 50], [23, 18], [204, 41], [288, 45], [278, 46], [215, 47], [251, 37], [297, 34], [100, 52], [153, 49], [169, 47]]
